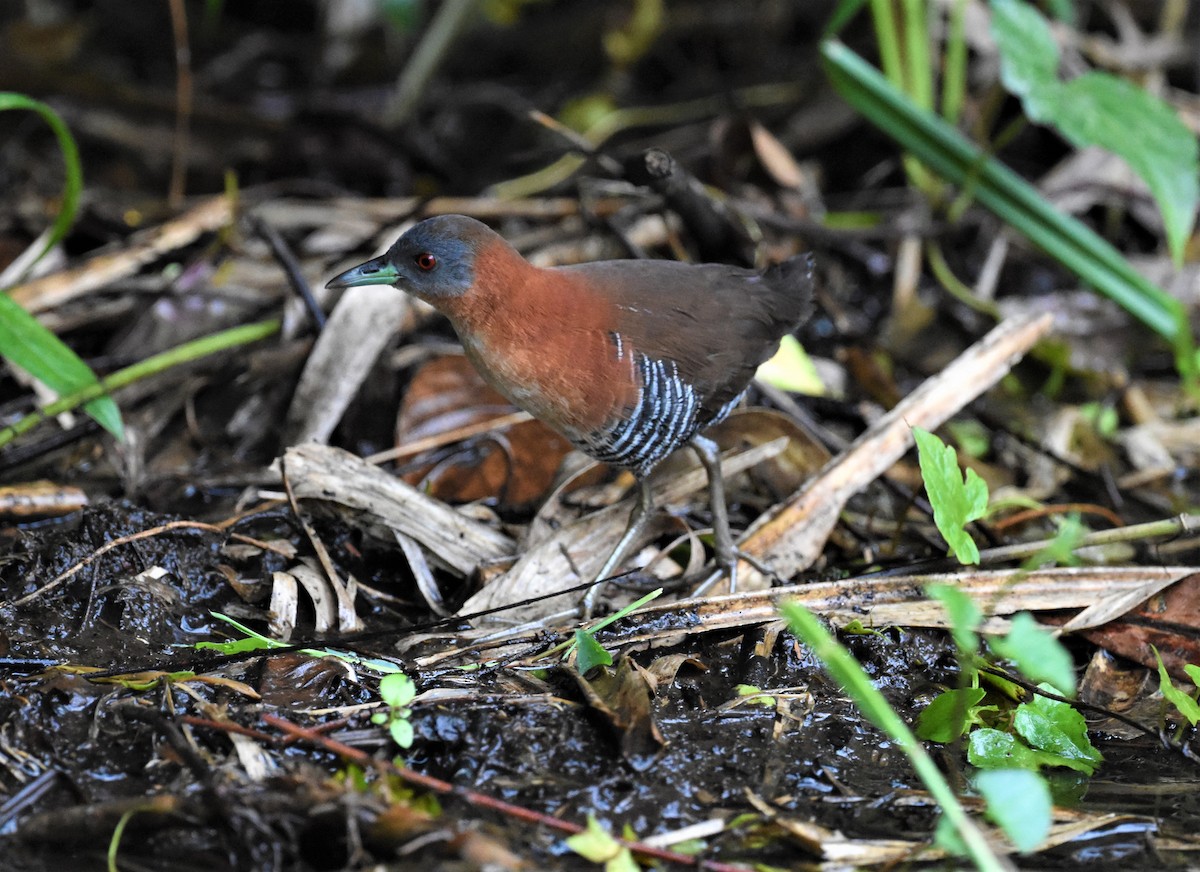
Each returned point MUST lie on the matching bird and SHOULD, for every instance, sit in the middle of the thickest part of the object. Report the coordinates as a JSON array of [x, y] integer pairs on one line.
[[630, 360]]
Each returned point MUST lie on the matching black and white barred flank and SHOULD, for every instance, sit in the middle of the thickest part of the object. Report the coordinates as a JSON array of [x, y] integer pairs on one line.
[[667, 414]]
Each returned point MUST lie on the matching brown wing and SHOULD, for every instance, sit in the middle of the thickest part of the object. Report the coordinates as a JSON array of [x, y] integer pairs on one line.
[[716, 322]]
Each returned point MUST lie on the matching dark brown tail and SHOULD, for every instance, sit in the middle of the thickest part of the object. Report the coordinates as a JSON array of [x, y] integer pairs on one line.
[[793, 279]]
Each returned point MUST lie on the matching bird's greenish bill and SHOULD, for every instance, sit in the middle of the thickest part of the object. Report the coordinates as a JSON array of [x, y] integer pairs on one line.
[[373, 272]]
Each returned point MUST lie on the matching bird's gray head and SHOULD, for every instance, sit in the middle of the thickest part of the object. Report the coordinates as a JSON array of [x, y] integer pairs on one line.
[[434, 259]]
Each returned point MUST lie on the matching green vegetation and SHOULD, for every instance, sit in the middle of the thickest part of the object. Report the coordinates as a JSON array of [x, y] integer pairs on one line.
[[397, 691], [956, 501], [24, 342]]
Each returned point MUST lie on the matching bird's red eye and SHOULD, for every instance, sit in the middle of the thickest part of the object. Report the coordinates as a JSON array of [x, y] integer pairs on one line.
[[426, 261]]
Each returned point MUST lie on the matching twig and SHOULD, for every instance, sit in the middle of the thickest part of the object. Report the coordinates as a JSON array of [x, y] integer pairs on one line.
[[183, 105]]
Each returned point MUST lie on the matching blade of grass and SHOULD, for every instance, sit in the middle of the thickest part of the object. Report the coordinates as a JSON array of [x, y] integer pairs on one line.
[[153, 365], [23, 340], [850, 675], [945, 151]]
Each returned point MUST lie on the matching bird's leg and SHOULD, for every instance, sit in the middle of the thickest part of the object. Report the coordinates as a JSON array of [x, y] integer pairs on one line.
[[710, 457], [637, 522]]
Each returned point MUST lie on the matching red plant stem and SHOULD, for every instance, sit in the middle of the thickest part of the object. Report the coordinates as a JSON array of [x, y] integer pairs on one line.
[[479, 800]]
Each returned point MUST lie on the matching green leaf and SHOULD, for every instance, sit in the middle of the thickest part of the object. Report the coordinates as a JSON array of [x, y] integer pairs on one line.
[[73, 178], [791, 369], [755, 694], [1059, 551], [956, 502], [973, 440], [1100, 109], [1184, 703], [402, 732], [1057, 728], [590, 653], [1028, 53], [1019, 802], [965, 617], [1103, 110], [950, 714], [594, 843], [254, 641], [1193, 673], [994, 749], [849, 673], [1038, 655], [397, 689]]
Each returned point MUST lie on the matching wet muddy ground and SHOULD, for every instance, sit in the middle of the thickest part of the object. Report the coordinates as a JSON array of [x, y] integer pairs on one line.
[[715, 731]]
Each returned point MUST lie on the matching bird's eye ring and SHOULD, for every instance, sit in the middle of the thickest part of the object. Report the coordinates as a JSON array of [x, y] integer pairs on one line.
[[426, 261]]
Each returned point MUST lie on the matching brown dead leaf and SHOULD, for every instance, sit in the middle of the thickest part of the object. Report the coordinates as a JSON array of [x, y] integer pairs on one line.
[[517, 464], [1168, 621], [622, 697]]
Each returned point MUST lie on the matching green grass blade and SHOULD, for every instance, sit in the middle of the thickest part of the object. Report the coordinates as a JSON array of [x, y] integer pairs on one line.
[[850, 675], [29, 345], [185, 353], [23, 340], [945, 151]]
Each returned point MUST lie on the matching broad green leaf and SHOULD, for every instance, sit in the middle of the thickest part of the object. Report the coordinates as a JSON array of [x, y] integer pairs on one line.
[[1184, 703], [1102, 110], [950, 714], [27, 344], [949, 154], [1193, 673], [590, 653], [956, 502], [1038, 655], [994, 749], [1056, 727], [1028, 53], [1019, 802], [965, 616]]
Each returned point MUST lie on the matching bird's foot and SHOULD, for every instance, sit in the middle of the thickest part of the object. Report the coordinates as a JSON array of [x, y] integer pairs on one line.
[[728, 568]]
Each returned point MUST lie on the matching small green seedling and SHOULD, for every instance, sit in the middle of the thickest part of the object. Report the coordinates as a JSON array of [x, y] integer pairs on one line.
[[755, 695], [397, 691], [956, 501], [1184, 703], [591, 653], [598, 846]]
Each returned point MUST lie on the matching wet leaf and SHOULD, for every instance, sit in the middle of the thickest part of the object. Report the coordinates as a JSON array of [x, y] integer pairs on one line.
[[994, 749], [516, 464], [1057, 727]]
